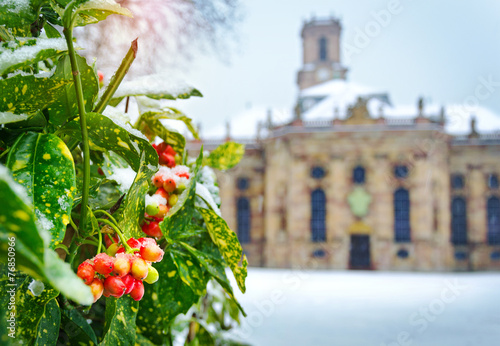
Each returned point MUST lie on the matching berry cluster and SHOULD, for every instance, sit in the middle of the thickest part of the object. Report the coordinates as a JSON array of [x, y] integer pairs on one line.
[[170, 181], [117, 272]]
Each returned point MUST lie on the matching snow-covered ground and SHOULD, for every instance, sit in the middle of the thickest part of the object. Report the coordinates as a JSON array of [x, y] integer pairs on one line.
[[288, 307]]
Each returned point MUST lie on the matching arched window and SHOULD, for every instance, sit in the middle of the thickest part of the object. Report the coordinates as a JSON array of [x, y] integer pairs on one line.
[[401, 171], [458, 221], [322, 49], [493, 181], [358, 175], [318, 172], [318, 216], [243, 216], [402, 215], [457, 181], [493, 220], [242, 183]]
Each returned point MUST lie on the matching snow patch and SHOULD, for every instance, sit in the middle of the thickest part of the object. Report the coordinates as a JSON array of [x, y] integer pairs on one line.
[[36, 287], [155, 199], [124, 177], [155, 84], [203, 193]]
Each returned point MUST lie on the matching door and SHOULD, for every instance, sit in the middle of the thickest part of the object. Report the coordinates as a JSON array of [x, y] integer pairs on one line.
[[359, 254]]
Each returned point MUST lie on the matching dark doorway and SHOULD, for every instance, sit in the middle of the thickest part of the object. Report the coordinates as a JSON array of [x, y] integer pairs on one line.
[[359, 255]]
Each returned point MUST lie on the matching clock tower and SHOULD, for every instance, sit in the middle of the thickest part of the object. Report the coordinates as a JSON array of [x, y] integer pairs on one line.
[[321, 52]]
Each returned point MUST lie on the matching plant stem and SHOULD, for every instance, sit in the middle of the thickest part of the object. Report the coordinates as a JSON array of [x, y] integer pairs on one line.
[[68, 34], [100, 242], [120, 234], [107, 214]]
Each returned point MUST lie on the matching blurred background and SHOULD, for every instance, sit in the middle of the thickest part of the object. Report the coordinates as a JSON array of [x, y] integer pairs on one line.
[[368, 201]]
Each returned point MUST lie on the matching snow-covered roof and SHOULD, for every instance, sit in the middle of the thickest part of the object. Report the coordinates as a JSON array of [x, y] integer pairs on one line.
[[333, 98]]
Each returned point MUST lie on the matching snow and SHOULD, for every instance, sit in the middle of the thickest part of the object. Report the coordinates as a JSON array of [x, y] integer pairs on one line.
[[17, 6], [36, 287], [8, 117], [124, 177], [154, 84], [159, 200], [209, 179], [203, 193], [120, 121], [305, 307], [24, 53]]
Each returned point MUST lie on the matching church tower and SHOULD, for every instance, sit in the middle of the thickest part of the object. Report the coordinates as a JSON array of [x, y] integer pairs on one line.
[[321, 52]]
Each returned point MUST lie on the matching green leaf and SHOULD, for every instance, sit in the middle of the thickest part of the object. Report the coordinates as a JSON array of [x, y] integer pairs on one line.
[[228, 244], [216, 269], [226, 156], [28, 94], [190, 271], [157, 87], [178, 218], [25, 52], [83, 12], [202, 336], [135, 202], [17, 225], [43, 164], [168, 134], [17, 16], [107, 134], [77, 328], [168, 297], [120, 321], [48, 328], [173, 114], [65, 106]]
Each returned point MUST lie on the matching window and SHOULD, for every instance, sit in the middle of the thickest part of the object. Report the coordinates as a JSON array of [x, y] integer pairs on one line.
[[402, 253], [322, 49], [358, 175], [458, 221], [402, 215], [318, 216], [243, 216], [493, 181], [401, 171], [493, 208], [317, 172], [457, 181], [242, 183]]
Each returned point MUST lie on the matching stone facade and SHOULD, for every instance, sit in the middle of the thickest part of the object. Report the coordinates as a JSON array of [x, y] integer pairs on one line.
[[363, 164]]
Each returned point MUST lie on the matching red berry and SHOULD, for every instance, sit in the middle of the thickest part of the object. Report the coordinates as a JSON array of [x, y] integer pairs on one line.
[[103, 264], [121, 249], [86, 272], [161, 191], [101, 76], [97, 287], [167, 160], [169, 185], [129, 281], [158, 180], [100, 171], [138, 291], [169, 150], [162, 147], [139, 269], [150, 251], [152, 229], [162, 211], [185, 175], [122, 265], [106, 293], [114, 286], [134, 243]]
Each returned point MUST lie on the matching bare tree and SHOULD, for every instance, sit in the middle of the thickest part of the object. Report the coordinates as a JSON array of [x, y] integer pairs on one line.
[[169, 31]]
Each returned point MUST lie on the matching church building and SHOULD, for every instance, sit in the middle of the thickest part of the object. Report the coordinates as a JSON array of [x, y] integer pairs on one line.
[[350, 181]]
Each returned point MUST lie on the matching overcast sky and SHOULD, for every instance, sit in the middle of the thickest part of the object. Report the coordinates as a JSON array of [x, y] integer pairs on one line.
[[442, 50]]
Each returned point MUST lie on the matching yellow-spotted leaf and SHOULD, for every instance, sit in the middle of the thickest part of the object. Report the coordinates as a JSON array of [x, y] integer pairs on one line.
[[17, 227], [190, 271], [111, 134], [17, 16], [65, 107], [25, 52], [168, 134], [27, 95], [77, 328], [48, 328], [83, 12], [32, 300], [228, 244], [173, 114], [43, 164], [134, 203], [226, 156], [120, 321]]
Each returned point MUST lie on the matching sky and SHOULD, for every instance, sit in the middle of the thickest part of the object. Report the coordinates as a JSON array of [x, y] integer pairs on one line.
[[446, 51]]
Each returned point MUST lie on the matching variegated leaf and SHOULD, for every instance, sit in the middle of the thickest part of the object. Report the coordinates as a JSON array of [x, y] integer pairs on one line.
[[120, 320], [77, 328], [228, 244], [169, 135], [226, 156], [29, 94], [190, 271], [43, 164]]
